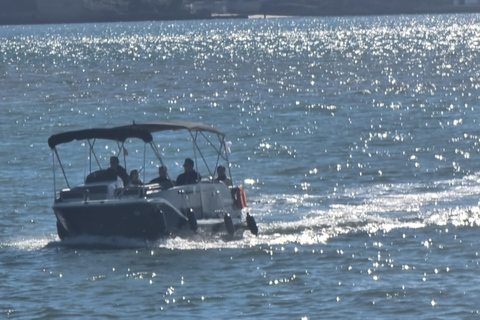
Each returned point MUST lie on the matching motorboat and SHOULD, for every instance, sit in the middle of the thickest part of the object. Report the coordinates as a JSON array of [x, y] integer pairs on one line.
[[102, 204]]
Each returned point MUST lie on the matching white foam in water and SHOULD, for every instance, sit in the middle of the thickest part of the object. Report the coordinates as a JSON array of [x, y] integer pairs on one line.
[[28, 244], [303, 219], [398, 206]]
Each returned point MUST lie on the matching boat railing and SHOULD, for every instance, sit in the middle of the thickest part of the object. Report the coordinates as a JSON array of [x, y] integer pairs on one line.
[[135, 192], [139, 191], [84, 193], [75, 194], [90, 192]]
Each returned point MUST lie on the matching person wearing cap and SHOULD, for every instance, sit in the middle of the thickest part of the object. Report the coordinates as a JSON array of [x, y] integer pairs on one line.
[[190, 176]]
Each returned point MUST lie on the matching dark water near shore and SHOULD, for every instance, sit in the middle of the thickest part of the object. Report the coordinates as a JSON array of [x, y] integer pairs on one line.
[[356, 139]]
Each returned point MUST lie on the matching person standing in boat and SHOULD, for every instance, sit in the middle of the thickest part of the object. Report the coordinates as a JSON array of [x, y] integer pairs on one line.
[[222, 176], [163, 180], [190, 176], [118, 170]]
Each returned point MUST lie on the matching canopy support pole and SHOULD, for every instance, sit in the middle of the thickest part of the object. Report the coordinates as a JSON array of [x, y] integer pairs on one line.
[[61, 166]]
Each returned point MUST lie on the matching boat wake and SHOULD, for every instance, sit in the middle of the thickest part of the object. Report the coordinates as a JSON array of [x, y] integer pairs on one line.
[[310, 219], [316, 227]]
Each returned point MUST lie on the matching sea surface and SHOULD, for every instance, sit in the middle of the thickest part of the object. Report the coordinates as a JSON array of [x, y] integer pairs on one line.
[[357, 140]]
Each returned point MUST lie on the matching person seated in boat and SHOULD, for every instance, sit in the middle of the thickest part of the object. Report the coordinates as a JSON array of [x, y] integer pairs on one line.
[[190, 176], [163, 180], [222, 176], [134, 178], [118, 170]]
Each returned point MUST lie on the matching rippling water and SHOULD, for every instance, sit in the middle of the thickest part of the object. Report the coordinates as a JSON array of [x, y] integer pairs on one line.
[[356, 139]]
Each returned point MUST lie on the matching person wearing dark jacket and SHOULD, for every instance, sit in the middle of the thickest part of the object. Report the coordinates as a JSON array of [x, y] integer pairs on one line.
[[118, 170], [190, 176], [163, 180]]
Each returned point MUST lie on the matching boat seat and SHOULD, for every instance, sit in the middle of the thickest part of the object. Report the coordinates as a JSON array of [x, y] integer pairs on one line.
[[101, 176]]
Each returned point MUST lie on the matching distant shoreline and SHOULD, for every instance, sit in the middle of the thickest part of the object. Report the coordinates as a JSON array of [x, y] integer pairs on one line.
[[273, 12]]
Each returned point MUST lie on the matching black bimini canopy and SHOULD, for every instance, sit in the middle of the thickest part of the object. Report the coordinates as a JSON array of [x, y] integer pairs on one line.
[[117, 134], [137, 130], [165, 126]]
